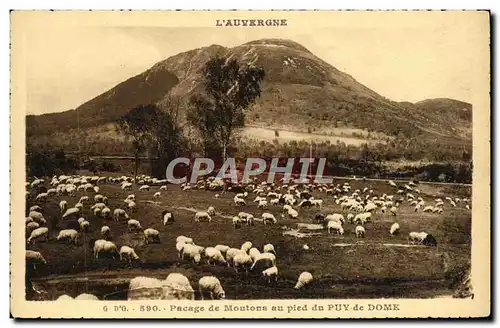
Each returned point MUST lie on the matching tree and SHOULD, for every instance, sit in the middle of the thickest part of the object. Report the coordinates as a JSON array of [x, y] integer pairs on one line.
[[154, 129], [229, 90]]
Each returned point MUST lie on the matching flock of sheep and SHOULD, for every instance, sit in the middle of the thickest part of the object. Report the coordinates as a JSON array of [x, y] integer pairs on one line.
[[358, 207]]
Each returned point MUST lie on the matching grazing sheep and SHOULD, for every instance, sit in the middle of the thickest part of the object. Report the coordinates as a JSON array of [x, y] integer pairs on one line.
[[242, 260], [191, 252], [211, 211], [184, 239], [246, 217], [40, 234], [393, 210], [86, 297], [128, 254], [34, 258], [105, 231], [202, 216], [416, 238], [68, 235], [133, 225], [336, 218], [213, 255], [394, 229], [269, 248], [179, 246], [144, 188], [157, 195], [222, 248], [132, 206], [267, 257], [97, 211], [254, 253], [168, 217], [41, 197], [305, 279], [31, 226], [360, 231], [335, 226], [84, 224], [119, 213], [212, 286], [231, 253], [180, 287], [83, 199], [163, 188], [236, 222], [268, 218], [35, 208], [239, 201], [269, 273], [151, 235], [262, 204], [106, 247], [246, 246], [37, 217], [63, 205], [428, 209]]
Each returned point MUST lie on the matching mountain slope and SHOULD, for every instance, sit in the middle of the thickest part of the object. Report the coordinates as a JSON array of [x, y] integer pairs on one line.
[[300, 91]]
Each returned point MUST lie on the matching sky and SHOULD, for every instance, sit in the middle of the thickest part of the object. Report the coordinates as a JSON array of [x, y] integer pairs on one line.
[[69, 59]]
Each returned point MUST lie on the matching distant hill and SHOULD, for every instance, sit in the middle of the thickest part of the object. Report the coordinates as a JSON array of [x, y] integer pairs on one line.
[[300, 92]]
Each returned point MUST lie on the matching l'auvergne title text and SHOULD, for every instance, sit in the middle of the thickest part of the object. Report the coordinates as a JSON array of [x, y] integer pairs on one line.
[[271, 22]]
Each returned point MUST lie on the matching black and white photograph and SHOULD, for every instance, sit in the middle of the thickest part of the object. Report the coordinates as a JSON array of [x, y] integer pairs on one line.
[[250, 164]]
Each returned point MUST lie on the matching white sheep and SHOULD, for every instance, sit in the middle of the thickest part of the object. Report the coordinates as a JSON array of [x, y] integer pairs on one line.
[[246, 246], [393, 210], [38, 235], [151, 235], [270, 273], [336, 218], [132, 206], [184, 239], [212, 286], [133, 225], [239, 201], [211, 210], [178, 287], [41, 197], [84, 224], [262, 204], [64, 297], [144, 188], [266, 257], [394, 229], [128, 254], [157, 194], [191, 252], [222, 248], [269, 248], [428, 209], [254, 253], [104, 246], [35, 208], [213, 255], [34, 258], [68, 235], [163, 188], [231, 253], [119, 213], [305, 279], [30, 226], [335, 226], [63, 205], [71, 212], [416, 237], [202, 216], [105, 231], [236, 222], [360, 231], [246, 217], [268, 218], [242, 260], [37, 217]]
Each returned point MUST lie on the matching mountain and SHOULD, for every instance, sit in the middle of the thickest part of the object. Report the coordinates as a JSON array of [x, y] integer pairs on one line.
[[300, 92]]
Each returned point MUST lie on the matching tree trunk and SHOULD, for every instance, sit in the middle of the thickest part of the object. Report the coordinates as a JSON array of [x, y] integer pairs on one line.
[[136, 166]]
